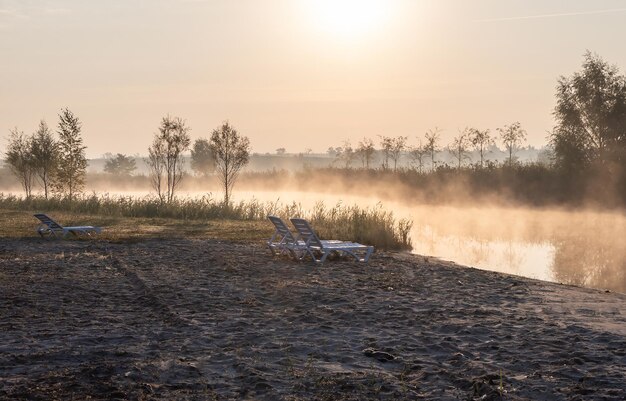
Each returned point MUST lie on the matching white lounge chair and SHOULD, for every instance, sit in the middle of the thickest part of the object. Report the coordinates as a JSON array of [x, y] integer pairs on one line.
[[283, 241], [51, 228], [314, 245]]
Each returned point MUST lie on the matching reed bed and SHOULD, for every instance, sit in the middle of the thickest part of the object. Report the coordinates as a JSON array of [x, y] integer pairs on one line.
[[373, 225]]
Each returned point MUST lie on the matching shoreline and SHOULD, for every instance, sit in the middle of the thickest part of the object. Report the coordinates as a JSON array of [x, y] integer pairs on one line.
[[209, 319]]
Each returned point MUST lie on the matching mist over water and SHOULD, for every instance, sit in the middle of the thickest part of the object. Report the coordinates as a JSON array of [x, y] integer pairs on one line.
[[577, 247], [583, 248]]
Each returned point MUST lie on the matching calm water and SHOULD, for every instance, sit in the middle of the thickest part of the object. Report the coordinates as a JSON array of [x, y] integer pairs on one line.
[[579, 248]]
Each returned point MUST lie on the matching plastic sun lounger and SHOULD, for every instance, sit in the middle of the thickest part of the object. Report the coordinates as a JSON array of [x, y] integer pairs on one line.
[[314, 245], [283, 241], [51, 228]]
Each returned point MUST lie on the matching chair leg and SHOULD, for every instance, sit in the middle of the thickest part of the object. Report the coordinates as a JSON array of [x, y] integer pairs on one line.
[[369, 252], [323, 258]]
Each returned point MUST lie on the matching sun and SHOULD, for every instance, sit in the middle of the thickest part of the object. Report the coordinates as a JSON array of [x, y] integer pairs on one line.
[[348, 19]]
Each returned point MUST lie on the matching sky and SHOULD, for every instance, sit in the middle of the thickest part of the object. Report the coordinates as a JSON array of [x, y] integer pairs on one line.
[[295, 74]]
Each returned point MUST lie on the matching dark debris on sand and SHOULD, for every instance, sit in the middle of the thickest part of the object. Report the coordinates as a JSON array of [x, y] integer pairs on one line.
[[209, 320]]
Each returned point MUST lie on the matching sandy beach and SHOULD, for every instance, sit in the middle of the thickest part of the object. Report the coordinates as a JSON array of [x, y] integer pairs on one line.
[[213, 320]]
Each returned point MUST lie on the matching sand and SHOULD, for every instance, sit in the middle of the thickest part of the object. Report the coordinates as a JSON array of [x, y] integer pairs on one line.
[[202, 319]]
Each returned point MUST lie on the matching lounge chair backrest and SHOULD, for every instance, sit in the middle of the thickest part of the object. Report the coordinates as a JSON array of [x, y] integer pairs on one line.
[[306, 232], [282, 229], [53, 225]]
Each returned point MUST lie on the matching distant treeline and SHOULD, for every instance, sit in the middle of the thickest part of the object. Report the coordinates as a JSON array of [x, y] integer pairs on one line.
[[585, 160]]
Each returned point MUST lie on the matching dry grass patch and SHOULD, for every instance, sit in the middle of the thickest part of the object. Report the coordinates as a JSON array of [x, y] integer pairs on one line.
[[22, 224]]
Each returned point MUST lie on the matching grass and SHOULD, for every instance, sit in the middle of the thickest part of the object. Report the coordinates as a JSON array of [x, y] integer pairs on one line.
[[22, 224], [127, 218]]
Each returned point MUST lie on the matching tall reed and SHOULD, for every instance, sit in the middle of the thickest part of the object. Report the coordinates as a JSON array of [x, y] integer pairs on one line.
[[373, 225]]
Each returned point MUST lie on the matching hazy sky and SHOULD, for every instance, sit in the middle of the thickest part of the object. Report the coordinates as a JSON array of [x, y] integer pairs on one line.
[[295, 73]]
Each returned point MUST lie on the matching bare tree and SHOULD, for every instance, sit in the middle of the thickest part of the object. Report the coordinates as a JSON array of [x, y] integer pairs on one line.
[[346, 154], [417, 154], [386, 146], [156, 164], [459, 145], [232, 152], [366, 151], [20, 160], [202, 157], [432, 137], [481, 140], [398, 145], [69, 177], [165, 156], [45, 153], [512, 136]]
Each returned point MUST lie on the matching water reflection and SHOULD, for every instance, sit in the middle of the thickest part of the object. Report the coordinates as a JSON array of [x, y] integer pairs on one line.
[[593, 259], [578, 248]]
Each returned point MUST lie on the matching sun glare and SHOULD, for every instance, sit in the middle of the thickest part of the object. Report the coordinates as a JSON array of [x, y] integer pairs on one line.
[[348, 19]]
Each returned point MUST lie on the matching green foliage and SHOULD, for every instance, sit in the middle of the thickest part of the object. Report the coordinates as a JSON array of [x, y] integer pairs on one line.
[[69, 177], [591, 116], [202, 158], [120, 165], [45, 154], [19, 158]]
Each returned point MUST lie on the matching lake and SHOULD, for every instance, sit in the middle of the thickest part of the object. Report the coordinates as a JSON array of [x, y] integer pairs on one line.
[[584, 248]]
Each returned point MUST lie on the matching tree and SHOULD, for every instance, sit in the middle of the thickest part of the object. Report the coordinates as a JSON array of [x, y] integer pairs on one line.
[[156, 164], [346, 154], [458, 147], [232, 152], [398, 145], [120, 165], [590, 116], [432, 137], [386, 146], [45, 154], [332, 152], [20, 160], [165, 156], [281, 151], [69, 177], [512, 136], [202, 158], [366, 151], [480, 140], [416, 154]]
